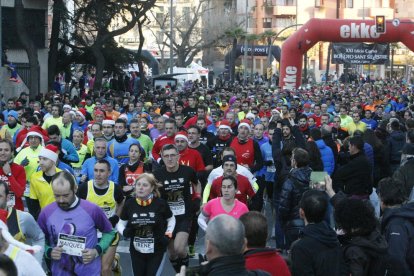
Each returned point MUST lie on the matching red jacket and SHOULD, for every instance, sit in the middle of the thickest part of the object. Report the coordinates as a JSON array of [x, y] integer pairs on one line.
[[17, 183], [266, 259], [193, 121], [159, 143], [244, 189], [192, 158]]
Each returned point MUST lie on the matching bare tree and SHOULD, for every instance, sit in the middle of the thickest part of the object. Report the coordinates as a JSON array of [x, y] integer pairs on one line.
[[92, 21], [190, 35]]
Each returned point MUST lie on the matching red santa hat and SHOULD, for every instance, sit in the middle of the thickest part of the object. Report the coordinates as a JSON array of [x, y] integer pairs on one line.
[[98, 112], [49, 152], [81, 112], [31, 133], [181, 135], [245, 123], [225, 124]]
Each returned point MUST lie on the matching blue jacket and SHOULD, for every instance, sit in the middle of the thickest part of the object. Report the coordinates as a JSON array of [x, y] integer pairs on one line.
[[328, 158], [87, 168], [369, 154], [70, 155], [268, 171]]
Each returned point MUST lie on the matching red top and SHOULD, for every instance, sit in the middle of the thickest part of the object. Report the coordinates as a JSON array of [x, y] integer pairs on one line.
[[159, 143], [244, 189], [192, 158], [266, 259], [244, 152], [16, 182]]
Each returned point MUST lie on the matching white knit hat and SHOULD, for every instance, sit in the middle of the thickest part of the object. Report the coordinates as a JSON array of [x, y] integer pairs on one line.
[[108, 122]]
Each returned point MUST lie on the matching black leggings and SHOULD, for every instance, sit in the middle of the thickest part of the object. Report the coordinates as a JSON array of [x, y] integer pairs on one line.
[[147, 264]]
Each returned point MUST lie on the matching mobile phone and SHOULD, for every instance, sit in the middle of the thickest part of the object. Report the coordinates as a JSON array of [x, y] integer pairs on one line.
[[317, 181]]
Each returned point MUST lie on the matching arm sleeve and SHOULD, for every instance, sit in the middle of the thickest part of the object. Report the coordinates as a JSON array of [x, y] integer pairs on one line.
[[121, 176], [258, 158], [32, 231], [170, 224], [202, 221], [299, 138], [72, 154], [105, 241], [18, 181], [285, 199], [398, 241], [156, 151], [206, 192]]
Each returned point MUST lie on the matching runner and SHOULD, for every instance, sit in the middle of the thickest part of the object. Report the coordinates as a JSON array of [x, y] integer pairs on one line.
[[70, 227], [149, 222], [177, 181], [108, 196]]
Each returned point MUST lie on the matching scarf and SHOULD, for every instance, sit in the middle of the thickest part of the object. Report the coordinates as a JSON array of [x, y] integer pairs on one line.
[[145, 201]]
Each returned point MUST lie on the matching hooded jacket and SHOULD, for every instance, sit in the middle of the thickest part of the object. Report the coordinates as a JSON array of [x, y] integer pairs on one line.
[[318, 252], [397, 226], [293, 188], [364, 255], [328, 158]]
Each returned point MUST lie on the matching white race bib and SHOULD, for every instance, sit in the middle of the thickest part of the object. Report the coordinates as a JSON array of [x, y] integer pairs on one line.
[[177, 207], [144, 245], [12, 201], [72, 245]]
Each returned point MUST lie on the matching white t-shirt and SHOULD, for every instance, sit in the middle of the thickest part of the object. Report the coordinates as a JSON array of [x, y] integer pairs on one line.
[[26, 264]]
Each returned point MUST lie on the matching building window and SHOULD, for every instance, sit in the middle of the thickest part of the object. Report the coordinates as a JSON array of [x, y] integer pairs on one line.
[[349, 3], [267, 22], [286, 2], [318, 3]]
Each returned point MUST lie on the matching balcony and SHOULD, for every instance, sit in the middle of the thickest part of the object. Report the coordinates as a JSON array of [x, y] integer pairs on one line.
[[387, 12], [284, 10]]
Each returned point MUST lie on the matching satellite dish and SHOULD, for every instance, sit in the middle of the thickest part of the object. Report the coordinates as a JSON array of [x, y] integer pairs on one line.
[[396, 22]]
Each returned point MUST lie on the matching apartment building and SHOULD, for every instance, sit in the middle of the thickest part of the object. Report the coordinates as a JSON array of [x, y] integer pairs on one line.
[[276, 15]]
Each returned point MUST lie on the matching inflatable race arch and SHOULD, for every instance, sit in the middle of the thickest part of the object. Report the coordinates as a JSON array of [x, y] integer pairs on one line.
[[336, 30]]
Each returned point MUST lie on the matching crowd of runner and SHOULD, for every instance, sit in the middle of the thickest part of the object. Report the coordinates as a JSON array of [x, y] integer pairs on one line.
[[82, 169]]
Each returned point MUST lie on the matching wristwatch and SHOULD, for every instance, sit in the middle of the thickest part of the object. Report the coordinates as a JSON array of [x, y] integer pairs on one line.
[[9, 174]]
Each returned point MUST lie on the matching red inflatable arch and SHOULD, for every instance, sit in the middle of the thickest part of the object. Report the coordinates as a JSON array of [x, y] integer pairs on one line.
[[336, 30]]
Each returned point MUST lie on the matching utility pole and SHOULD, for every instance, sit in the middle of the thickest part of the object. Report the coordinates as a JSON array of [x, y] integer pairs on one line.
[[245, 47], [171, 36]]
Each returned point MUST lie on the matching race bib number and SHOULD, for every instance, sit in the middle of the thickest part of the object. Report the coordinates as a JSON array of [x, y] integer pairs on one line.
[[72, 245], [144, 245], [12, 201], [177, 207], [108, 211]]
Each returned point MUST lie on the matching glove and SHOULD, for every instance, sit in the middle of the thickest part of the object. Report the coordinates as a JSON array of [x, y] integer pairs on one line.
[[114, 220], [25, 162], [128, 232]]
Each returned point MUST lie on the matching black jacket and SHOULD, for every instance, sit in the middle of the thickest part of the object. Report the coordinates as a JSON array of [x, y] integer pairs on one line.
[[405, 174], [229, 265], [365, 255], [397, 226], [318, 252], [396, 142], [292, 190], [354, 178]]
